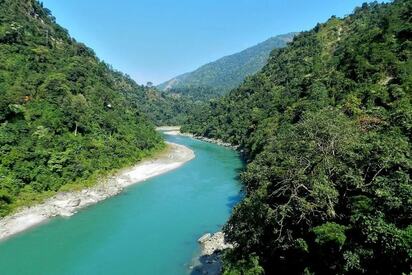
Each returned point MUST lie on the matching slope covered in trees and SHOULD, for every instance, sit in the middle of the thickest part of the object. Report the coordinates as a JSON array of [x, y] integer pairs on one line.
[[162, 108], [218, 77], [197, 94], [63, 116], [326, 127]]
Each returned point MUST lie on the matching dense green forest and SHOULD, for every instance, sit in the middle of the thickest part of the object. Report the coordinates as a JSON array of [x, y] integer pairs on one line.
[[326, 127], [219, 77], [64, 116], [195, 94], [162, 108]]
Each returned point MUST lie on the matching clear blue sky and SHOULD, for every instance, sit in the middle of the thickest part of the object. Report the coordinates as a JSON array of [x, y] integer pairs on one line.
[[155, 40]]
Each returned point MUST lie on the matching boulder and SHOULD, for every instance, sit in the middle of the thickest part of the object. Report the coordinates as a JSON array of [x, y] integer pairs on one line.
[[204, 238], [212, 243], [74, 202]]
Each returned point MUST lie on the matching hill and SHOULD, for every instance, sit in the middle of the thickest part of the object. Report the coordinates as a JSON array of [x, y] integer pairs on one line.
[[161, 108], [64, 117], [326, 129], [230, 71]]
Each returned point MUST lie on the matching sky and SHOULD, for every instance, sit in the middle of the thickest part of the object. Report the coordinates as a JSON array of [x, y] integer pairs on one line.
[[156, 40]]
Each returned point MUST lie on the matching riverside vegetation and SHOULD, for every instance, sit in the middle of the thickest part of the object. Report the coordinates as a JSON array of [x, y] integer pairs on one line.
[[65, 116], [326, 127]]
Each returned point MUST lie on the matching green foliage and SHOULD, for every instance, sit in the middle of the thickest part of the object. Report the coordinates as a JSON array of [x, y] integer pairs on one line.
[[197, 94], [219, 77], [162, 108], [63, 117], [248, 266], [326, 130], [330, 232]]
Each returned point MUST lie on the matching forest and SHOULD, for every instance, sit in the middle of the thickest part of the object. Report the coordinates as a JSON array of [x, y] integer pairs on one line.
[[64, 118], [226, 73], [326, 130]]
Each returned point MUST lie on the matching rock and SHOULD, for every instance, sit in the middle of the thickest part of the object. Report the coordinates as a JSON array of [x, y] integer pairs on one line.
[[74, 202], [204, 238], [213, 243], [66, 213], [208, 264]]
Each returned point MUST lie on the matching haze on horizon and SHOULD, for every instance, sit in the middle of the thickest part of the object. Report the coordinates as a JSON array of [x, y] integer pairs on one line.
[[158, 40]]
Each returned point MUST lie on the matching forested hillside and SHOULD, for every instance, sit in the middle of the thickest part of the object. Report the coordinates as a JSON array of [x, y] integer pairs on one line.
[[162, 108], [63, 116], [196, 94], [326, 127], [219, 77]]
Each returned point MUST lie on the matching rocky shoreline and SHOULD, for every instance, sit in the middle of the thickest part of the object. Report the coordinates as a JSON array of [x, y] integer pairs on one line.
[[68, 203], [210, 261], [211, 243]]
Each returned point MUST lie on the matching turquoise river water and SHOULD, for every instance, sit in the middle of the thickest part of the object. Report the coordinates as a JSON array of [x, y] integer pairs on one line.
[[151, 228]]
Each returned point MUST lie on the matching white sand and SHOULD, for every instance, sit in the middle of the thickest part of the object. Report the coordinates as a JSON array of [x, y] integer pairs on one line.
[[168, 128], [67, 204], [175, 131]]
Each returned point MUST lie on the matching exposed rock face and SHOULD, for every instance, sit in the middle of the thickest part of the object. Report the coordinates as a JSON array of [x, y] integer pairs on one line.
[[212, 243]]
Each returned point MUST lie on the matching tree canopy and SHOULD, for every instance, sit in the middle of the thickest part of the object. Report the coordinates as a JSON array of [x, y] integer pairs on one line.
[[64, 118], [326, 130], [226, 73]]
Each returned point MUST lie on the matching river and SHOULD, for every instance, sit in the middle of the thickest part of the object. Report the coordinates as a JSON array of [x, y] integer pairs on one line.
[[151, 228]]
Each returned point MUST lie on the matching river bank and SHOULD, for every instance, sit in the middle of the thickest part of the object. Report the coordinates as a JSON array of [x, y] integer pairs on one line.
[[210, 259], [175, 131], [67, 204], [211, 245], [150, 228]]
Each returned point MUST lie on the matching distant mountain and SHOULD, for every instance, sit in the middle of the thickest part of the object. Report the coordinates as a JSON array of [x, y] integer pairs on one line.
[[230, 71]]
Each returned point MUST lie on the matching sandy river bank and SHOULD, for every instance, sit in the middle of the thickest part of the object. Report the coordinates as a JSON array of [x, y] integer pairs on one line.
[[68, 203]]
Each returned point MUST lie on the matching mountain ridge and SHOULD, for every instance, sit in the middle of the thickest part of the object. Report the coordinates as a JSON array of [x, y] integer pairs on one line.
[[229, 71]]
